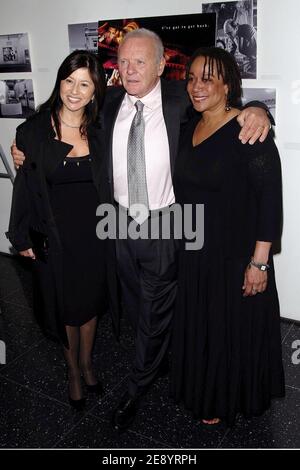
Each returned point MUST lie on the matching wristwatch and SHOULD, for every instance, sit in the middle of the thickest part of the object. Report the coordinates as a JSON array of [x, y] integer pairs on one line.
[[260, 266]]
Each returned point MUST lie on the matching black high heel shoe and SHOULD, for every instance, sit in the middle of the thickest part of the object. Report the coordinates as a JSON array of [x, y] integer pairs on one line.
[[78, 405], [97, 388]]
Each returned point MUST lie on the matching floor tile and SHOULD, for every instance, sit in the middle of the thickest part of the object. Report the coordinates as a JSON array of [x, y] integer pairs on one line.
[[11, 266], [18, 329], [279, 427], [159, 419], [37, 414], [43, 368], [94, 433], [285, 327], [22, 296], [291, 356], [29, 420]]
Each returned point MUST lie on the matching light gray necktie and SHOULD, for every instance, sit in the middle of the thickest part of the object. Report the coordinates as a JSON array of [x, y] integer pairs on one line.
[[136, 167]]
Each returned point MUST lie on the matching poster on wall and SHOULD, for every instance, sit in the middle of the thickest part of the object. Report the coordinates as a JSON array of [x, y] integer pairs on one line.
[[83, 36], [16, 99], [14, 53], [237, 32], [181, 36], [265, 95]]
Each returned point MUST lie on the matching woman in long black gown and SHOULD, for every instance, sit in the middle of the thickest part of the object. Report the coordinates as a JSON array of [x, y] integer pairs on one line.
[[226, 340], [53, 215]]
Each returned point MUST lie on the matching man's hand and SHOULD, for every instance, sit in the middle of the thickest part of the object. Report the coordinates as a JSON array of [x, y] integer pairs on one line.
[[17, 155], [255, 125]]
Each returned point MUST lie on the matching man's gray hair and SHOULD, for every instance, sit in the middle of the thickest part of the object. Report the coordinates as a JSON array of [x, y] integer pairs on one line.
[[147, 33]]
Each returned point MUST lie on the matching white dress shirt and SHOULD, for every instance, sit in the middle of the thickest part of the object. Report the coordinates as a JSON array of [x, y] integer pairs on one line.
[[157, 153]]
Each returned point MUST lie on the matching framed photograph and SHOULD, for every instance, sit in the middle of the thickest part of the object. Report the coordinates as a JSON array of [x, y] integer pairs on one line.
[[14, 53], [5, 170], [265, 95], [16, 99], [181, 36], [83, 36], [237, 32]]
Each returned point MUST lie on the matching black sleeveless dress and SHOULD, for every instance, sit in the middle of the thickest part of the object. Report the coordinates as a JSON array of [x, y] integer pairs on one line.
[[74, 201]]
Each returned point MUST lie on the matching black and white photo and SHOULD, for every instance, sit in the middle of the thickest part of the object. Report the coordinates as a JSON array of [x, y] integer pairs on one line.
[[14, 53], [5, 170], [83, 36], [237, 32], [264, 95], [16, 98]]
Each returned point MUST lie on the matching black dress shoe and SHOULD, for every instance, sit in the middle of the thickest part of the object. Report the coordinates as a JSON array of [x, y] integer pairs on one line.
[[78, 405], [97, 388], [125, 412]]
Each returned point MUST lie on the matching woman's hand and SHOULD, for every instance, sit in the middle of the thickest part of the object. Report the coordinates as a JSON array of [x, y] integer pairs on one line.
[[27, 253], [255, 281], [17, 155]]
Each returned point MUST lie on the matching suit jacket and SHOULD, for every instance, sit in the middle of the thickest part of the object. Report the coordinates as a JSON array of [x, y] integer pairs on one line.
[[31, 213], [175, 104]]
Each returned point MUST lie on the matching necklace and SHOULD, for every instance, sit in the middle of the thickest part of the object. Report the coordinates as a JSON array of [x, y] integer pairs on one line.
[[68, 125]]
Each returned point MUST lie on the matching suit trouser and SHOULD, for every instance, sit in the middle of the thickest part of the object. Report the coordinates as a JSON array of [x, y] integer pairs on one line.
[[147, 270]]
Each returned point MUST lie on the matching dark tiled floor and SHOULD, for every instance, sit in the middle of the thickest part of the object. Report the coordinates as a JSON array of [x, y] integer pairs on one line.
[[34, 410]]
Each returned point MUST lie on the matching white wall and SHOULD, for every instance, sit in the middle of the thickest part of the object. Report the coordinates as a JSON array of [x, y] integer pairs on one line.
[[278, 66]]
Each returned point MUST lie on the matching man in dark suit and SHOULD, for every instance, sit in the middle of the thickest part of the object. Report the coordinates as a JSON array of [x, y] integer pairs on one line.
[[147, 268]]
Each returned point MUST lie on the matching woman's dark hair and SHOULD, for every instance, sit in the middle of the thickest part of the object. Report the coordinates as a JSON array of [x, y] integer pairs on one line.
[[226, 67], [74, 61]]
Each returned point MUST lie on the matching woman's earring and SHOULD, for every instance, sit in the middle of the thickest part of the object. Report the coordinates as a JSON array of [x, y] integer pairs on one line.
[[227, 105]]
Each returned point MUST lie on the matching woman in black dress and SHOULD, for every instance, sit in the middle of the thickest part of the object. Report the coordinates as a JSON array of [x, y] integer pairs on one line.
[[53, 215], [226, 341]]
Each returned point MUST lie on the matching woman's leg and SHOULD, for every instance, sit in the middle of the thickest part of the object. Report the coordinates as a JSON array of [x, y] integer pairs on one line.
[[87, 338], [71, 357]]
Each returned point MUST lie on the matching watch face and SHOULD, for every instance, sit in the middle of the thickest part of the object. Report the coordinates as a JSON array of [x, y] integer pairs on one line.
[[263, 268]]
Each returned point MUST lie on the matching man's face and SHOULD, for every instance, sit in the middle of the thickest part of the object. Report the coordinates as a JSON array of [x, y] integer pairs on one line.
[[230, 29], [138, 66]]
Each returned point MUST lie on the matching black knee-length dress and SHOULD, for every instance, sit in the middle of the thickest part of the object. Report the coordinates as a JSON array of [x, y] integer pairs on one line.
[[74, 201], [226, 348]]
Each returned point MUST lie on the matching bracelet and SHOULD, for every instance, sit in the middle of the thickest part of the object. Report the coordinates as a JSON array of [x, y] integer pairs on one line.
[[260, 266]]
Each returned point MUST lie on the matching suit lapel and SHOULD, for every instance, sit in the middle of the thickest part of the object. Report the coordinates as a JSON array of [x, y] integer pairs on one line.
[[171, 113], [111, 112]]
